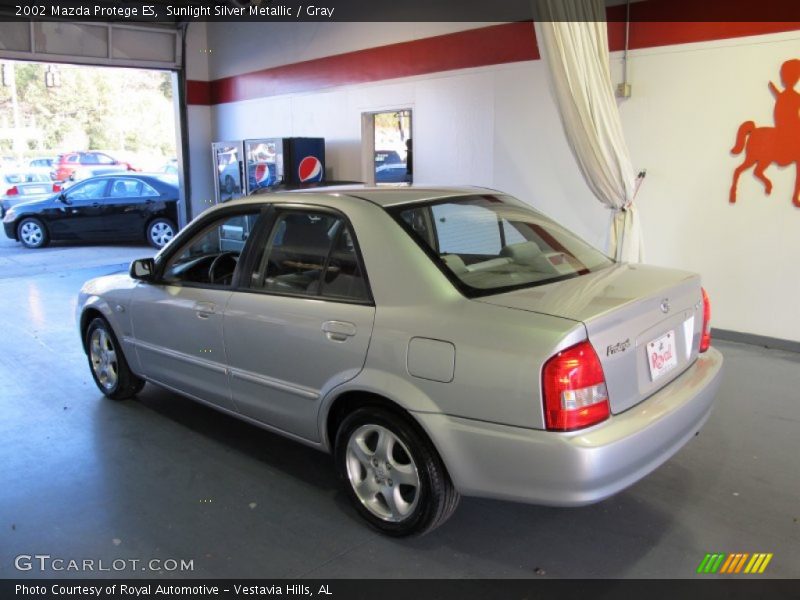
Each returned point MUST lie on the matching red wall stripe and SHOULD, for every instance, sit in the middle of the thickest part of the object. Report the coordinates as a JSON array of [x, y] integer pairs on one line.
[[493, 45], [650, 34], [198, 92], [497, 44]]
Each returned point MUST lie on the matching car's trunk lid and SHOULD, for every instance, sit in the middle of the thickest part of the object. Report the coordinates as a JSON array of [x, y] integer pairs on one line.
[[625, 309]]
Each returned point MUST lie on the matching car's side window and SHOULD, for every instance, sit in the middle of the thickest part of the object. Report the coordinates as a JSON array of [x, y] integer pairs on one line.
[[89, 190], [310, 254], [103, 159], [131, 188], [343, 277], [211, 256]]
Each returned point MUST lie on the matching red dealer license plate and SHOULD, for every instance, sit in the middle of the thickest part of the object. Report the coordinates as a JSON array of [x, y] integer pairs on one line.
[[661, 356]]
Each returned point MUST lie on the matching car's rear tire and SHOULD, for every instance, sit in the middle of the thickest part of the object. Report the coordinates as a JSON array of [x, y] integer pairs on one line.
[[107, 362], [32, 233], [393, 474], [160, 231]]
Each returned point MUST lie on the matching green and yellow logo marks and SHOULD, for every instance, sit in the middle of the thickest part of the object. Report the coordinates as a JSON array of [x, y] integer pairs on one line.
[[732, 564]]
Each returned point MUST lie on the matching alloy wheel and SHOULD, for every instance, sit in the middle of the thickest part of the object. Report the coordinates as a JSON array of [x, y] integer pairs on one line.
[[382, 473], [104, 359]]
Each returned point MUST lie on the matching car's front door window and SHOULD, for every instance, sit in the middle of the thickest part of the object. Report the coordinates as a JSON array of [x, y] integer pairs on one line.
[[88, 190], [212, 255]]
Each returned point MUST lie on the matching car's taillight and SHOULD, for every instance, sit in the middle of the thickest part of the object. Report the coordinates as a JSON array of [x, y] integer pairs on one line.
[[56, 187], [705, 337], [575, 394], [12, 191]]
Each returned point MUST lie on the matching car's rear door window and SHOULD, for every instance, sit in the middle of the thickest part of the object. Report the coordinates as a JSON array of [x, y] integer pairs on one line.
[[309, 253], [126, 187]]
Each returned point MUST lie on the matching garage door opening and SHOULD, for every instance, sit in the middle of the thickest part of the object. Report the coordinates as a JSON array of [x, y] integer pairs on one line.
[[51, 109], [63, 124]]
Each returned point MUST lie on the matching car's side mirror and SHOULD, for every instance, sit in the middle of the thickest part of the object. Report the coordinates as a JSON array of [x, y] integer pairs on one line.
[[62, 197], [143, 269]]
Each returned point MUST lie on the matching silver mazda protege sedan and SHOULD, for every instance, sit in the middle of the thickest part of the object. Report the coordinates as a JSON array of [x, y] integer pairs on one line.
[[437, 342]]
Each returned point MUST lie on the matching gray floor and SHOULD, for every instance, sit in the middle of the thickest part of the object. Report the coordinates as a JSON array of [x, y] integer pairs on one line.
[[162, 477]]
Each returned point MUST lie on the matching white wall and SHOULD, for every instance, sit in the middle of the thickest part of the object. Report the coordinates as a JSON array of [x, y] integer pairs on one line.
[[199, 121], [238, 48], [688, 101], [498, 127]]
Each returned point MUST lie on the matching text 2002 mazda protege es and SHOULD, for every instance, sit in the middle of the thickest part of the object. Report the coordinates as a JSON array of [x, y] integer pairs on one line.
[[437, 341]]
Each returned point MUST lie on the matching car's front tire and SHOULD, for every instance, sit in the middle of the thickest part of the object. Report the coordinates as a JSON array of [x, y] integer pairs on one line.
[[32, 233], [107, 362], [160, 231], [393, 474]]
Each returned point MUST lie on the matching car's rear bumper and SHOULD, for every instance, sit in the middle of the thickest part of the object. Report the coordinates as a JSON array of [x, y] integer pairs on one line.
[[576, 468]]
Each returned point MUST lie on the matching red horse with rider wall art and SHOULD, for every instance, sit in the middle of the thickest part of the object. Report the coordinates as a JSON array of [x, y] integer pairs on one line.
[[780, 144]]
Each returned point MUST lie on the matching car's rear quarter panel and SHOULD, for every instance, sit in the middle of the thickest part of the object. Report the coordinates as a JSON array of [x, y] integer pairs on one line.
[[498, 352]]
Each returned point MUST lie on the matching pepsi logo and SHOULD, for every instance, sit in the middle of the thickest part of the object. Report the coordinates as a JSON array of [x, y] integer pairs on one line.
[[310, 169], [262, 174]]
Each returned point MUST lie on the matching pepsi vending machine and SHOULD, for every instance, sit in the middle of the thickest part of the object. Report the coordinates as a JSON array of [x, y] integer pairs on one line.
[[304, 161], [264, 160], [227, 159], [246, 166]]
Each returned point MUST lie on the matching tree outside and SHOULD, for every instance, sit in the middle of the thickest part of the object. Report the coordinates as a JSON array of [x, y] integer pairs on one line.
[[67, 108]]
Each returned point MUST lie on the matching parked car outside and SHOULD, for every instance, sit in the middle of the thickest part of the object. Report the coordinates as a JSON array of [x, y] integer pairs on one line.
[[437, 342], [171, 167], [109, 207], [42, 165], [389, 167], [22, 186], [88, 172], [67, 165], [41, 162]]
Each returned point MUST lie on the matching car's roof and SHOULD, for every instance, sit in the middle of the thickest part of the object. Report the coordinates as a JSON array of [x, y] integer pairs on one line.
[[133, 174], [382, 196]]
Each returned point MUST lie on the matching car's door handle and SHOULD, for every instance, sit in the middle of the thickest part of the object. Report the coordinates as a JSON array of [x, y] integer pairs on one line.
[[96, 204], [338, 331], [203, 310]]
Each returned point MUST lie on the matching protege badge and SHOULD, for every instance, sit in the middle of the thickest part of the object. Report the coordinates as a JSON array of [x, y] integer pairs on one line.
[[618, 347]]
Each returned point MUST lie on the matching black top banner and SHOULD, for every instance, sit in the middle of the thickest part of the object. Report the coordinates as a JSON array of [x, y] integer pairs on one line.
[[177, 11]]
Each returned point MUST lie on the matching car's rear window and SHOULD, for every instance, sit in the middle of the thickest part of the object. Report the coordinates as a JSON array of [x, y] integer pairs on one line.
[[488, 244]]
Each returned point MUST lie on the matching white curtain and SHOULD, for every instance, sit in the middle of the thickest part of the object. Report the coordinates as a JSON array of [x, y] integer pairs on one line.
[[573, 41]]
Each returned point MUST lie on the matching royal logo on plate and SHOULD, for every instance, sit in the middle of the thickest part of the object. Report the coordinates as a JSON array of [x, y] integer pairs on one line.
[[661, 355]]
